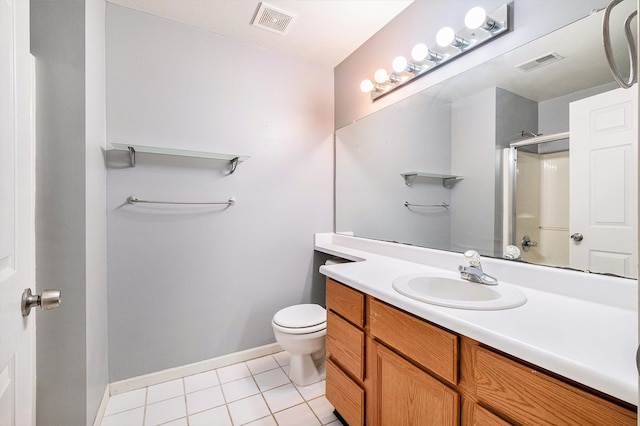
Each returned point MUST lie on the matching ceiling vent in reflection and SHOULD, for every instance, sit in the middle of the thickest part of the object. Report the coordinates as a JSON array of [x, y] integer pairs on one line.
[[273, 19], [540, 61]]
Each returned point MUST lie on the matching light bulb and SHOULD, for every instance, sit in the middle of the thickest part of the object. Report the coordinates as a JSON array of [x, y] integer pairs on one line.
[[475, 18], [366, 86], [400, 64], [381, 76], [420, 52], [445, 36]]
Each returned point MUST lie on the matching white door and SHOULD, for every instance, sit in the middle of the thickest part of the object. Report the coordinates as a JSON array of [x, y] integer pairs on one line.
[[604, 178], [17, 273]]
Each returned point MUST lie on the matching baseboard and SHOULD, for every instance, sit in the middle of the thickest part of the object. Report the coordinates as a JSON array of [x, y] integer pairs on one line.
[[102, 408], [190, 369]]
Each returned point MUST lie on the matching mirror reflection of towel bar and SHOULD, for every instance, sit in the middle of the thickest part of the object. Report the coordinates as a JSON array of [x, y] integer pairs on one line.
[[443, 205], [134, 200]]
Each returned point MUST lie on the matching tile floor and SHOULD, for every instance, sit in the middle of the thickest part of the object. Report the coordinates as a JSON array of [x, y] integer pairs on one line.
[[257, 393]]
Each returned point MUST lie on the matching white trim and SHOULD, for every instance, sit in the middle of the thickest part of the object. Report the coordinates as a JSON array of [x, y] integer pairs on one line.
[[190, 369], [102, 408]]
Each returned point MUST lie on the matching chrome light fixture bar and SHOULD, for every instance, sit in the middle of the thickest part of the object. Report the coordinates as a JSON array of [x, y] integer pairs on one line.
[[480, 27]]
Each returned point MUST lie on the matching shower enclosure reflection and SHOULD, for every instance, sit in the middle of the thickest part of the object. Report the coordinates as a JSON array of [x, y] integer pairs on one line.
[[540, 199]]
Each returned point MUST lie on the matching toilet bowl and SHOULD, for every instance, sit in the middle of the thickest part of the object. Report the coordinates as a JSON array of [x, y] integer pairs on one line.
[[301, 330]]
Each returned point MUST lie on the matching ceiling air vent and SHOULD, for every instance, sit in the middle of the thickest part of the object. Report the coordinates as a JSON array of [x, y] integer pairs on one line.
[[272, 19], [538, 62]]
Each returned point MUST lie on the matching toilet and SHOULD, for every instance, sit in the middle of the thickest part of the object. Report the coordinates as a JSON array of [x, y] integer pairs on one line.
[[301, 330]]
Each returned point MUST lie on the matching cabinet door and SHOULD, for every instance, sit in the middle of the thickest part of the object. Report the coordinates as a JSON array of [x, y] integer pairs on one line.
[[406, 395], [483, 417]]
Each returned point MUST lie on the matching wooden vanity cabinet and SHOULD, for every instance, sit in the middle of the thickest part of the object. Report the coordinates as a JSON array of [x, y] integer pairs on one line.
[[388, 367], [346, 351]]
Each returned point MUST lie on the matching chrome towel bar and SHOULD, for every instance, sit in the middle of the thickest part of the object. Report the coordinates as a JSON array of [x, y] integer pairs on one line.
[[443, 205], [134, 200]]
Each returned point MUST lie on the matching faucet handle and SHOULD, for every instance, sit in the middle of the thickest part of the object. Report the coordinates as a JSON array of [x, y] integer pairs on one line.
[[473, 258]]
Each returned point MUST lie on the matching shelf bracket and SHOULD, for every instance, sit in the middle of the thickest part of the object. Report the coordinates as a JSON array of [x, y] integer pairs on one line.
[[408, 179], [132, 156], [449, 182], [233, 164]]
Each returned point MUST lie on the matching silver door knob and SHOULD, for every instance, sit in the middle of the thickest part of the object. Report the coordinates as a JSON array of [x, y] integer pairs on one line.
[[527, 243], [49, 299], [577, 237]]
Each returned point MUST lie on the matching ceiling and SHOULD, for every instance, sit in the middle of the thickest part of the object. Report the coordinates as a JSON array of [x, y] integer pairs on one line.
[[324, 31]]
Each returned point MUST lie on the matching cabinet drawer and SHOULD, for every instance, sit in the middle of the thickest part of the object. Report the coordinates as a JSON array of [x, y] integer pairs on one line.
[[532, 397], [483, 417], [345, 344], [345, 395], [424, 343], [346, 302]]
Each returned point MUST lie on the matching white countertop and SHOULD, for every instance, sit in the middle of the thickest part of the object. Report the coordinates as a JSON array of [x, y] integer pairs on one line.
[[587, 341]]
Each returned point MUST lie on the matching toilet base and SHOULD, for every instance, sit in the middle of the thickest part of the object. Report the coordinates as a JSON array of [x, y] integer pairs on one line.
[[304, 371]]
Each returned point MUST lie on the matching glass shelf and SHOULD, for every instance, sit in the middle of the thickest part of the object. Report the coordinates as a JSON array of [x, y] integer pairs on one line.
[[233, 159], [447, 180]]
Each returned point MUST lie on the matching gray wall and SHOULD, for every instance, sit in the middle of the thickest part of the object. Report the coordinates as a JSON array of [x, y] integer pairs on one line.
[[70, 233], [95, 207], [554, 113], [473, 138], [188, 284], [420, 22], [482, 125], [371, 154]]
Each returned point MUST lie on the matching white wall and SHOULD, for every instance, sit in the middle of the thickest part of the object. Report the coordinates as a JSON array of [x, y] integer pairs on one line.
[[67, 42], [190, 284], [420, 22]]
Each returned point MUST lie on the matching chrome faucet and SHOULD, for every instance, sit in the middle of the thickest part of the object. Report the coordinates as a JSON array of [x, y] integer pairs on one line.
[[474, 272]]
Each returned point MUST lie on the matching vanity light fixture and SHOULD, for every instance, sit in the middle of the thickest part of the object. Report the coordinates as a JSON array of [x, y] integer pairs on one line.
[[477, 18], [421, 53], [448, 37], [480, 28], [400, 64], [383, 81], [367, 86], [381, 76]]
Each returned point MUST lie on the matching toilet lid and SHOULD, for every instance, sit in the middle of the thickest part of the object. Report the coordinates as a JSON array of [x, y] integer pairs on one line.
[[300, 316]]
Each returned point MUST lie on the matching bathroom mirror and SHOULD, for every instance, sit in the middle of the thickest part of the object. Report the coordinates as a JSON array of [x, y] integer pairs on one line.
[[433, 170]]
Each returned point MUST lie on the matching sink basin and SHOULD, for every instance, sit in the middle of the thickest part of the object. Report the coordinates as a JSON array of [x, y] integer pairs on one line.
[[458, 293]]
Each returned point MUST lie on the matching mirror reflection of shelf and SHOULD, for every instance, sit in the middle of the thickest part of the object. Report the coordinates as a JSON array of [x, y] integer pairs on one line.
[[447, 180], [233, 159]]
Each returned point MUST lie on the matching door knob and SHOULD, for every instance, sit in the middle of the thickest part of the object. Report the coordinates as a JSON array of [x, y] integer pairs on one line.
[[577, 237], [527, 243], [49, 299]]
